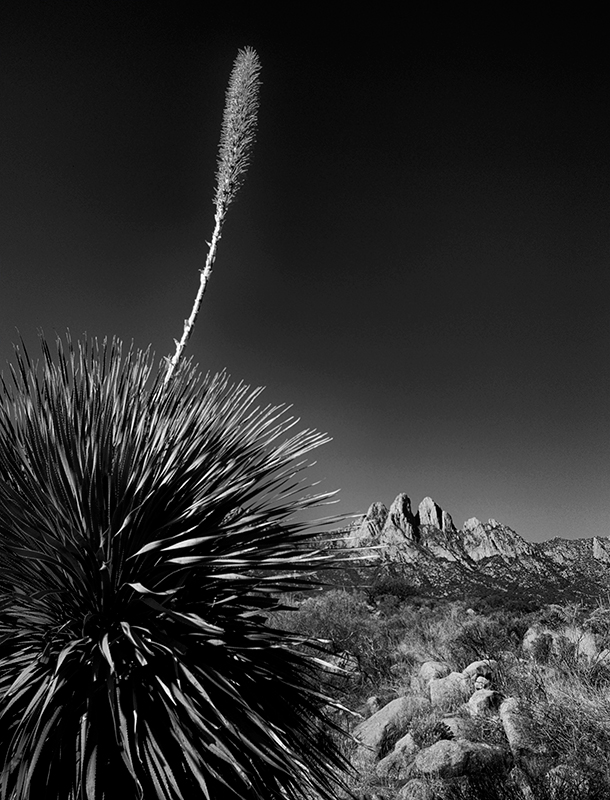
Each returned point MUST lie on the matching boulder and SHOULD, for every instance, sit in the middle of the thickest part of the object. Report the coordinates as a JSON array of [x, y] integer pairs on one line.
[[417, 789], [373, 705], [484, 701], [532, 635], [487, 668], [525, 737], [406, 745], [377, 702], [451, 690], [433, 669], [460, 757], [518, 780], [603, 657], [393, 765], [585, 641], [459, 727], [517, 725], [379, 733]]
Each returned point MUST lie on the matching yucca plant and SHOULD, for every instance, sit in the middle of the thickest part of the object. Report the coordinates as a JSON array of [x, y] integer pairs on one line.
[[147, 529]]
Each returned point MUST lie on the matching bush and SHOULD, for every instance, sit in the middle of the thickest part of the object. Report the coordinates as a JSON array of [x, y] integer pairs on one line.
[[390, 586], [542, 648], [345, 621], [482, 637]]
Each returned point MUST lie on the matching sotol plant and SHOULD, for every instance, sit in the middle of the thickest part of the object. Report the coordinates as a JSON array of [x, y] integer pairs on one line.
[[147, 527]]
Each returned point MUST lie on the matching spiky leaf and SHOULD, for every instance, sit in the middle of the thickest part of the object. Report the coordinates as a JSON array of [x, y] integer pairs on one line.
[[146, 529]]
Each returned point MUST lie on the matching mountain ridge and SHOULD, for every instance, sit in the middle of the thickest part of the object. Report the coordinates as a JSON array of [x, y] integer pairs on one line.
[[425, 548]]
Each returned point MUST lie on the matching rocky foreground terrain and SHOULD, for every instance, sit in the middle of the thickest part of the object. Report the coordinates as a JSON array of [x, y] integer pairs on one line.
[[443, 701], [427, 550], [517, 762]]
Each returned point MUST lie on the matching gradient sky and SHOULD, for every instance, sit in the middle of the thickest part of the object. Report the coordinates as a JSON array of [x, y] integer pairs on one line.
[[418, 260]]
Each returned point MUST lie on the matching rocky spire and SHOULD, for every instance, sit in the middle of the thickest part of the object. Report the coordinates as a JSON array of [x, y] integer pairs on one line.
[[432, 515], [372, 524], [601, 549], [400, 523]]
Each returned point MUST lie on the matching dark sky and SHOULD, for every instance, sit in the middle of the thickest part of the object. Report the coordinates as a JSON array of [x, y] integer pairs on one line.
[[418, 260]]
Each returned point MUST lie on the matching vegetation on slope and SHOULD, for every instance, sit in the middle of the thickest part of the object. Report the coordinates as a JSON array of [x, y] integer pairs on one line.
[[565, 697]]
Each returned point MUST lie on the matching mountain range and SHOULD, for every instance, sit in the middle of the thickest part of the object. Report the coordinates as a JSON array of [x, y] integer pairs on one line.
[[425, 549]]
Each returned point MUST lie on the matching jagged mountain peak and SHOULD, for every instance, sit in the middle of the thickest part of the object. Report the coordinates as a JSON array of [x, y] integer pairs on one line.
[[370, 526], [400, 524], [483, 557], [601, 548], [487, 540], [432, 515]]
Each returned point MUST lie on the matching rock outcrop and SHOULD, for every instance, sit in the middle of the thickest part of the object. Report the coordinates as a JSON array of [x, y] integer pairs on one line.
[[371, 525], [379, 734], [430, 670], [414, 748], [400, 524], [449, 691], [432, 515], [601, 549], [484, 701], [456, 758]]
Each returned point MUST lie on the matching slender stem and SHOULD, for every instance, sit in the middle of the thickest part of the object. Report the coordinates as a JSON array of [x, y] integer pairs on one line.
[[236, 138], [205, 273]]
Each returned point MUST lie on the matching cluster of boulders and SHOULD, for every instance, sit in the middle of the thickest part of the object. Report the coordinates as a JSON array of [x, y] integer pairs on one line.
[[583, 642], [453, 705]]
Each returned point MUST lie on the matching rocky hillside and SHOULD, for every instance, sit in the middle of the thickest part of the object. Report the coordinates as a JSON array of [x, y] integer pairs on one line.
[[482, 558]]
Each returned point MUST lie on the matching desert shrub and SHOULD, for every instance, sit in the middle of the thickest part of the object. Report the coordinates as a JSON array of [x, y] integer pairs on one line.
[[422, 602], [470, 642], [339, 617], [566, 651], [598, 622], [387, 586], [346, 624], [596, 674], [504, 602], [556, 616], [542, 648], [387, 605], [573, 728], [427, 732], [445, 632], [483, 637], [488, 728]]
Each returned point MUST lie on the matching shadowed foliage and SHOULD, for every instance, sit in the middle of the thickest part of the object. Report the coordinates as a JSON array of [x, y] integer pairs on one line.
[[146, 530]]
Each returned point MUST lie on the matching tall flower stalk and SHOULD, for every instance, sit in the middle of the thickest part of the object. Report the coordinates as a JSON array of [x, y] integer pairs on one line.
[[236, 139]]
